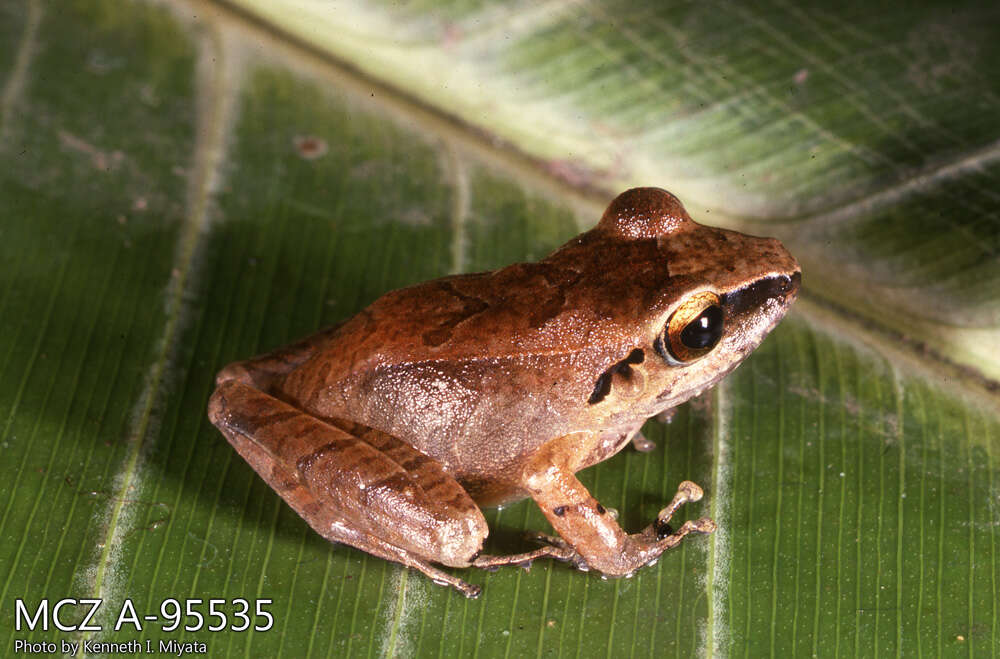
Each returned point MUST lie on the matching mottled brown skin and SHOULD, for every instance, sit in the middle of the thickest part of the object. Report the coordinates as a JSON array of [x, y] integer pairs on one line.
[[386, 431]]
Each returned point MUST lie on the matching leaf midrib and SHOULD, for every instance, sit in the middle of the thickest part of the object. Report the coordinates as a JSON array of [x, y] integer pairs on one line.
[[216, 90]]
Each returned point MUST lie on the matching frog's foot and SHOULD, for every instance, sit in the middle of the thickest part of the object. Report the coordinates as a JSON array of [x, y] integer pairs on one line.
[[567, 553], [666, 537], [555, 548], [442, 578], [667, 416], [595, 535], [687, 492], [641, 444]]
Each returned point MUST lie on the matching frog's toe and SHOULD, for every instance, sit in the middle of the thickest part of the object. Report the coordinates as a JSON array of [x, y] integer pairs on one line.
[[470, 590], [703, 525], [673, 538], [686, 492], [556, 548], [641, 444], [561, 550], [691, 491]]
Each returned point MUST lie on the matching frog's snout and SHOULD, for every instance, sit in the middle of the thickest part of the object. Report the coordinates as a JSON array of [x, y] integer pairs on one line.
[[792, 287], [785, 287]]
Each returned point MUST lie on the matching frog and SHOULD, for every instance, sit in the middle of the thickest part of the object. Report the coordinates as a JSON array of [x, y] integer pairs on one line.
[[392, 430]]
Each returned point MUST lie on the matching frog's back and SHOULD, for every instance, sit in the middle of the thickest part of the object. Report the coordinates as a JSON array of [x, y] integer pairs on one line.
[[491, 363], [496, 363], [560, 305]]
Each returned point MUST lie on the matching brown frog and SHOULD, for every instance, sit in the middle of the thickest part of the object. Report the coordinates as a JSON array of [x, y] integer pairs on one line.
[[387, 431]]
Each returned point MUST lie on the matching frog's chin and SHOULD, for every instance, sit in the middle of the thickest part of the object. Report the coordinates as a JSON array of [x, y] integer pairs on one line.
[[668, 400]]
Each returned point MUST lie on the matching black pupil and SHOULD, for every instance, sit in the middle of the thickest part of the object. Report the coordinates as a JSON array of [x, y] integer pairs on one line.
[[705, 330]]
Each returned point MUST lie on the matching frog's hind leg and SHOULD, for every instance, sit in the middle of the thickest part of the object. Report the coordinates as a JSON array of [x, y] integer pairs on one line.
[[263, 371], [370, 491]]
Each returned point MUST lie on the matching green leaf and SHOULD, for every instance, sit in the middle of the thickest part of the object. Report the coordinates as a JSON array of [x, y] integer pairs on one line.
[[186, 188], [863, 137]]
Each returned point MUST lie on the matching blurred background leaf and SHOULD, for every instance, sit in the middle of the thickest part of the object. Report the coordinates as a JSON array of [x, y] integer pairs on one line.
[[193, 183]]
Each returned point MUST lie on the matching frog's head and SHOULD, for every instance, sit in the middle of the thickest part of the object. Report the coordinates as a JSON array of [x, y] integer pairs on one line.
[[704, 298]]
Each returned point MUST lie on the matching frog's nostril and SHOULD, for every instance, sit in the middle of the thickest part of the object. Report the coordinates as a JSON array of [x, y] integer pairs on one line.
[[790, 285], [785, 283]]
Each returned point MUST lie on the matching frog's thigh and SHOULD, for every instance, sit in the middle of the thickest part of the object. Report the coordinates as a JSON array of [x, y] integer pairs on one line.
[[261, 371], [374, 493]]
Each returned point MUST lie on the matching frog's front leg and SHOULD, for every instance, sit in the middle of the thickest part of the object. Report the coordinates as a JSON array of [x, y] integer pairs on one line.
[[594, 534], [359, 487]]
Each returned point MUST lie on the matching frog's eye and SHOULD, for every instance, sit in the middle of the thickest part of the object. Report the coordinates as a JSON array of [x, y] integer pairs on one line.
[[693, 329]]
